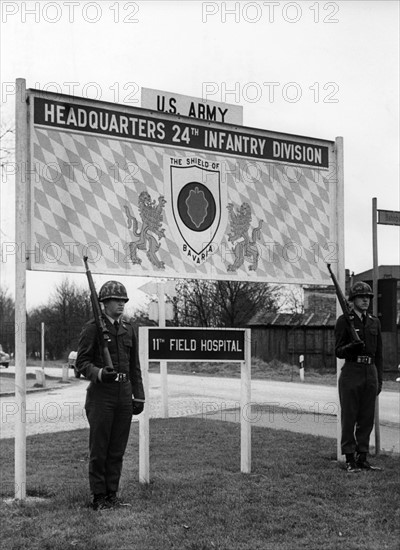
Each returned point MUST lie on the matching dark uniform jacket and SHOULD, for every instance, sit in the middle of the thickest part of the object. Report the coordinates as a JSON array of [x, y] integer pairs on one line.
[[370, 334], [123, 350]]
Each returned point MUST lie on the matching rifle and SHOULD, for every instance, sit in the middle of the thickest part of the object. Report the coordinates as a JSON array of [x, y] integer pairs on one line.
[[98, 317], [349, 315]]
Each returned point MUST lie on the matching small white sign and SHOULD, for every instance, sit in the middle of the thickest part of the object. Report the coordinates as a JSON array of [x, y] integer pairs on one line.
[[169, 288], [151, 288], [195, 107], [154, 311]]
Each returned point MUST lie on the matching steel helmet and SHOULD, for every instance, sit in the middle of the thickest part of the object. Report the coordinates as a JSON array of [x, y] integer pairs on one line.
[[360, 289], [113, 290]]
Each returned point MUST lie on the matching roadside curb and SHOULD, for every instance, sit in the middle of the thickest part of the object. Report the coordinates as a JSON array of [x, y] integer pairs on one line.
[[59, 385], [282, 410]]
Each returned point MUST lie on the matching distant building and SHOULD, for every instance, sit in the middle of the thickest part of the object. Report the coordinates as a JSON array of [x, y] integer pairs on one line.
[[386, 273], [388, 309], [286, 336], [321, 299]]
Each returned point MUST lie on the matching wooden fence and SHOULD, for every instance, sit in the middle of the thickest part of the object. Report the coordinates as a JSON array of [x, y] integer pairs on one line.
[[285, 337]]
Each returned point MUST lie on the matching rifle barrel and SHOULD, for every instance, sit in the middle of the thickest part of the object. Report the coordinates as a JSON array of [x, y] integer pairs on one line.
[[98, 317], [344, 305]]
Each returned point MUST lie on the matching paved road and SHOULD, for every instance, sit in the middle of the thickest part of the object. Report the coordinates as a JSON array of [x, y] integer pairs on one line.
[[292, 406]]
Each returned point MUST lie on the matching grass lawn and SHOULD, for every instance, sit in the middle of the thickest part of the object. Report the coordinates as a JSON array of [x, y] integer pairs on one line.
[[297, 497]]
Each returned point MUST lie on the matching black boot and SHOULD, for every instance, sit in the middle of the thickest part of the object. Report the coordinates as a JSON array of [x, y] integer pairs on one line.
[[363, 463], [351, 466], [99, 502], [114, 502]]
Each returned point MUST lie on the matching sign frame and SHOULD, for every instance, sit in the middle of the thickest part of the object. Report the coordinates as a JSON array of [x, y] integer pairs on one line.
[[245, 394], [26, 250]]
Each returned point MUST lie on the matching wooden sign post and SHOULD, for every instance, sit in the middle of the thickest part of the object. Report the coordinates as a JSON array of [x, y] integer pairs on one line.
[[196, 344], [385, 217]]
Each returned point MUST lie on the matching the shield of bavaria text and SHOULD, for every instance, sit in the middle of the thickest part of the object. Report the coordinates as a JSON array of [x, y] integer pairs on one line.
[[197, 206]]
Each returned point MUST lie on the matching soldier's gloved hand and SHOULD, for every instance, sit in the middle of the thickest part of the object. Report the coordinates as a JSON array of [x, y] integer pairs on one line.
[[108, 375], [354, 347], [137, 407]]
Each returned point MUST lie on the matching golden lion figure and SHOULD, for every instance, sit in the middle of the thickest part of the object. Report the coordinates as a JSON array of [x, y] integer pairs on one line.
[[152, 218], [240, 226]]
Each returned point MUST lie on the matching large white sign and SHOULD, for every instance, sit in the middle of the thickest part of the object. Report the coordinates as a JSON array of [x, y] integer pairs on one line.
[[148, 194]]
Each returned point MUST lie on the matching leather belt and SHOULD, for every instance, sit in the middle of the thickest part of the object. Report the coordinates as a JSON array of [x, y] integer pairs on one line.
[[364, 359], [122, 377]]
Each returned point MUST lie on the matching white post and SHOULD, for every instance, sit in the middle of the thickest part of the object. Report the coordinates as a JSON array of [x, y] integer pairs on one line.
[[301, 368], [340, 266], [375, 274], [245, 404], [21, 185], [144, 432], [375, 277], [42, 344], [65, 372], [163, 364]]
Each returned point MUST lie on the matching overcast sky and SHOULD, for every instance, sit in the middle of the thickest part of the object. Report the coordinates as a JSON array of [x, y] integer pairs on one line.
[[334, 66]]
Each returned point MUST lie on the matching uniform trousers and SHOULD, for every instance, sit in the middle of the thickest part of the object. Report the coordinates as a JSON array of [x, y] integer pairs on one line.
[[109, 412], [358, 385]]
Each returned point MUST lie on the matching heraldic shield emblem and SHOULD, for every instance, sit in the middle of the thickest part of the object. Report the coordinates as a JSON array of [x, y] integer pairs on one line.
[[197, 204]]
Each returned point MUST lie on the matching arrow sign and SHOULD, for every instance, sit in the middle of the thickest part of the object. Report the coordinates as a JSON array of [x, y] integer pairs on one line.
[[151, 288]]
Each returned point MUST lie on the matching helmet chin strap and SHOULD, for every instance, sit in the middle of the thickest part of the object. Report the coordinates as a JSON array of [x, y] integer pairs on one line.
[[113, 314], [360, 309]]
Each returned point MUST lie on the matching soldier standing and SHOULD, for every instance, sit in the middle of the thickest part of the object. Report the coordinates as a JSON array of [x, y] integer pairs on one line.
[[360, 379], [113, 395]]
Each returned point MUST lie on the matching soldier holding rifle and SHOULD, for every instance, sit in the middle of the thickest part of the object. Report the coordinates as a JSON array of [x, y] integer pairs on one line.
[[108, 357], [359, 343]]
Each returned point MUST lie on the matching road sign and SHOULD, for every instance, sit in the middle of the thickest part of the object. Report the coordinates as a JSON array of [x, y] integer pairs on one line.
[[388, 217], [196, 344], [154, 311], [178, 104], [152, 288], [149, 288]]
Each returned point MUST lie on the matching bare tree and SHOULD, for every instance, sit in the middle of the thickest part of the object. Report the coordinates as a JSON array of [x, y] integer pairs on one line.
[[291, 299], [7, 148], [7, 320], [221, 303], [64, 315], [7, 135], [194, 304]]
